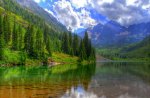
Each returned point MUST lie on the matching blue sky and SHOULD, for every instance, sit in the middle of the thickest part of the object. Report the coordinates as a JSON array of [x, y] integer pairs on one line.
[[77, 14]]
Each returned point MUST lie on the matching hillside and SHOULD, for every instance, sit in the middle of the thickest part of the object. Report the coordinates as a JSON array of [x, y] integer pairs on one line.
[[25, 38], [36, 9], [139, 50], [31, 15], [136, 51]]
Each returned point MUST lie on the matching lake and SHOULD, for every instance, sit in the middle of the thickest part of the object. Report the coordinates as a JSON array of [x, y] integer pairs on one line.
[[100, 80]]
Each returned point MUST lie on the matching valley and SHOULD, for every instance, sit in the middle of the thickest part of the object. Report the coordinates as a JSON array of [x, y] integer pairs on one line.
[[74, 49]]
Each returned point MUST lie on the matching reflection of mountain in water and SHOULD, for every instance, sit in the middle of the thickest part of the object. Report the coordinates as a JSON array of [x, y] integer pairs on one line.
[[121, 80], [41, 82], [105, 80]]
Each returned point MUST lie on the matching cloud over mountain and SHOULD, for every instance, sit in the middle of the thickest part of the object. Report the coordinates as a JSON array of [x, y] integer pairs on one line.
[[77, 13], [126, 12]]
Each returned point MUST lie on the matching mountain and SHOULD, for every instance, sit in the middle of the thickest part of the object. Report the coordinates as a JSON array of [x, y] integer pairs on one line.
[[135, 51], [113, 34], [139, 31], [138, 50], [26, 38], [35, 8], [30, 11]]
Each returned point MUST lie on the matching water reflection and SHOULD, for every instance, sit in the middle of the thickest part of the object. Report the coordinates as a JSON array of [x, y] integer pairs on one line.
[[103, 80], [121, 80], [79, 92], [43, 82]]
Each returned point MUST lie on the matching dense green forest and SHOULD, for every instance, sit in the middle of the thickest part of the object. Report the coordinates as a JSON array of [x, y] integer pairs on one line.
[[137, 51], [24, 35]]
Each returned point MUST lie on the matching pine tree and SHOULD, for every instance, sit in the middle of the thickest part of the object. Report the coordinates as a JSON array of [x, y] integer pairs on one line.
[[82, 53], [65, 43], [6, 29], [39, 44], [1, 39], [70, 44], [1, 47], [86, 43], [20, 34], [48, 46], [15, 38], [76, 45], [27, 39], [30, 40], [1, 24]]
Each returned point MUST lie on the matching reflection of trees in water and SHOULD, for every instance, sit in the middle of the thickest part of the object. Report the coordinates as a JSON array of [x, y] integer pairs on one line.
[[40, 81], [140, 69]]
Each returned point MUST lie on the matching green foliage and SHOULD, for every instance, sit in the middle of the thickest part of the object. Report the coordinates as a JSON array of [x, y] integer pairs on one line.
[[82, 51], [76, 45], [64, 58], [87, 51], [65, 43], [48, 47], [6, 29], [15, 37], [1, 39], [139, 51], [25, 34], [15, 57], [39, 44]]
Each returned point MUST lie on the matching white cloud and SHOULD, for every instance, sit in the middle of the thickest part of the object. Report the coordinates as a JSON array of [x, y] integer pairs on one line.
[[85, 19], [66, 14], [38, 1], [126, 12], [79, 3]]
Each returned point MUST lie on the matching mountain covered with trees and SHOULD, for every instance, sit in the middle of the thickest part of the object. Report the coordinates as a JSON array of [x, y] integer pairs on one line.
[[36, 9], [137, 51], [26, 36]]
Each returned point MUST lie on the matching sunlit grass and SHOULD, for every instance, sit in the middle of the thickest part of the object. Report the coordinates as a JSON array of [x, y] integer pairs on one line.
[[61, 57]]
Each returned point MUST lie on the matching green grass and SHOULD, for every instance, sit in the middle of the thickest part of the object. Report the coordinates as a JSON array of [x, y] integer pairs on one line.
[[64, 58], [13, 57], [17, 57]]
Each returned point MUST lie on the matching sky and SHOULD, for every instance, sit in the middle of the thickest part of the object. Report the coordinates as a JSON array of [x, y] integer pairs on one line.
[[77, 14]]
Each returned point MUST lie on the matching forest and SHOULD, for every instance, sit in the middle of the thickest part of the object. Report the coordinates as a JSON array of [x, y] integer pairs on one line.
[[23, 37]]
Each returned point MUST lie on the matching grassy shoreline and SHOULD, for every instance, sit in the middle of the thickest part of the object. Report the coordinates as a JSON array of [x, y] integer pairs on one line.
[[15, 58]]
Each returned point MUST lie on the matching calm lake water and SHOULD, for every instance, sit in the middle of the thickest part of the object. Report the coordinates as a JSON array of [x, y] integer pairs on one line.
[[101, 80]]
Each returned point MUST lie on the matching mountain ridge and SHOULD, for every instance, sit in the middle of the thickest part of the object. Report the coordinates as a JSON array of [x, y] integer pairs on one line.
[[112, 34], [35, 8]]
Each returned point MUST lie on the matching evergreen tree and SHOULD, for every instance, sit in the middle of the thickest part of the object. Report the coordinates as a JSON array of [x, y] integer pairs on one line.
[[15, 38], [30, 40], [1, 39], [27, 39], [82, 53], [6, 29], [20, 34], [65, 43], [76, 45], [1, 24], [48, 46], [1, 47], [39, 44], [70, 44], [86, 43]]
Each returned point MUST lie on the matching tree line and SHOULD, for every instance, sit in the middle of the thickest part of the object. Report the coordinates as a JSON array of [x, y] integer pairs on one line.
[[39, 43]]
